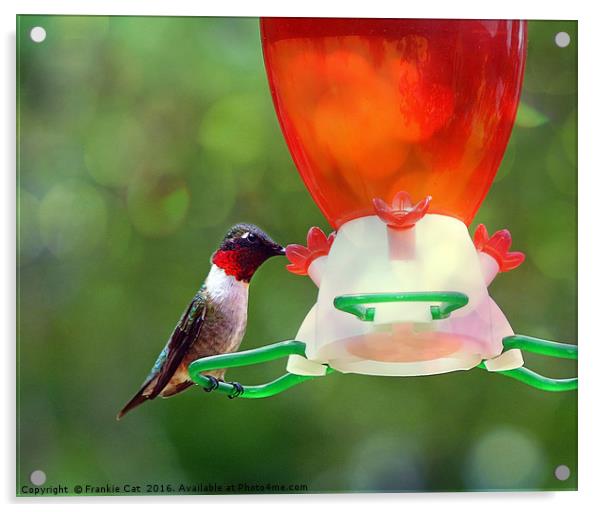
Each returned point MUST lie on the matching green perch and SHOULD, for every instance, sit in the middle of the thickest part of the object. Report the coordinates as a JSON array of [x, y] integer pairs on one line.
[[247, 358], [356, 305]]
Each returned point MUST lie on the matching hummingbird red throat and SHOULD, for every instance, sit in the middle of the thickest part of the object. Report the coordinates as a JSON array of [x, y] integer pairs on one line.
[[244, 248], [215, 320]]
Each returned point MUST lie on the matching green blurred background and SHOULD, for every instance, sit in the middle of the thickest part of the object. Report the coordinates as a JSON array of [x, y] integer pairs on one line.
[[140, 141]]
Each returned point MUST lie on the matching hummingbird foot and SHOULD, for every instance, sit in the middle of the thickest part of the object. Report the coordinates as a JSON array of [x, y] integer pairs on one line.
[[214, 384], [238, 390]]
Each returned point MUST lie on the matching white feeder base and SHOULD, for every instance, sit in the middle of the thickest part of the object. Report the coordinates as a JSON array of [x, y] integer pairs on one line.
[[367, 257]]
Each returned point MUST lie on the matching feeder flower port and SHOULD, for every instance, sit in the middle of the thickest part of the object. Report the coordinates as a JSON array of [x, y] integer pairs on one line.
[[498, 247], [401, 214], [378, 114], [302, 258]]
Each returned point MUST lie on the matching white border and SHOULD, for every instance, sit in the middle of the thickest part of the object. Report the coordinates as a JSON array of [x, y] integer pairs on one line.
[[590, 169]]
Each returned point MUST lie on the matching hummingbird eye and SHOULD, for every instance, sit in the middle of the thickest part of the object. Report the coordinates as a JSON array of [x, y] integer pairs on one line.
[[251, 237]]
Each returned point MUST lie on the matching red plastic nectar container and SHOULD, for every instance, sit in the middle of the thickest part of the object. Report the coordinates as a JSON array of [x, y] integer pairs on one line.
[[370, 107]]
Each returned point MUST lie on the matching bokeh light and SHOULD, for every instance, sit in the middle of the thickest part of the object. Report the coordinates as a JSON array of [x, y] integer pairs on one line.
[[72, 218], [157, 207], [505, 458], [387, 463], [235, 129], [114, 149]]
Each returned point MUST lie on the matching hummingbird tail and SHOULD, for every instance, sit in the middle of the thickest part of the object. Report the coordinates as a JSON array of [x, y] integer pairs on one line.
[[148, 392], [137, 399]]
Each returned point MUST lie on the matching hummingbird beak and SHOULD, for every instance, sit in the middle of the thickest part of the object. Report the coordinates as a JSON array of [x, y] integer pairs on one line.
[[279, 250]]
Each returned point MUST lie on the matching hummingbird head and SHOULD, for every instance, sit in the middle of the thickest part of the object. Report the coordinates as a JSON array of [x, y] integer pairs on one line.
[[244, 248]]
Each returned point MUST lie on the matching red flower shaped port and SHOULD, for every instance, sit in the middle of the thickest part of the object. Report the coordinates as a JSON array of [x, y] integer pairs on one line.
[[301, 257], [402, 214], [498, 247]]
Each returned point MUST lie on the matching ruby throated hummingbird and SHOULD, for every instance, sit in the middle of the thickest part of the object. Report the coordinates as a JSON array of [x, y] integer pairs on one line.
[[215, 321]]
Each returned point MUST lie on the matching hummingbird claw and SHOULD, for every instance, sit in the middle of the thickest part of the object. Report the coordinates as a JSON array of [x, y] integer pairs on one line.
[[238, 390], [214, 384]]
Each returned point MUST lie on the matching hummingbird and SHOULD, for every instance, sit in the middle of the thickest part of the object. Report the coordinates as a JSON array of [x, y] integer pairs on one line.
[[215, 320]]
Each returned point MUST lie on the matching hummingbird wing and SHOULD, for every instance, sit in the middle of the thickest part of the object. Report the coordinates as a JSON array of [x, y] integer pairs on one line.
[[182, 338], [185, 333]]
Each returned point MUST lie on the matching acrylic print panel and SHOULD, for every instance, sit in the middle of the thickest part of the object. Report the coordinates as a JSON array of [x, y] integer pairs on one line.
[[142, 140]]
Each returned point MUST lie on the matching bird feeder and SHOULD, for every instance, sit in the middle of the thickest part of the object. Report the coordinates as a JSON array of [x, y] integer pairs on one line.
[[397, 128]]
